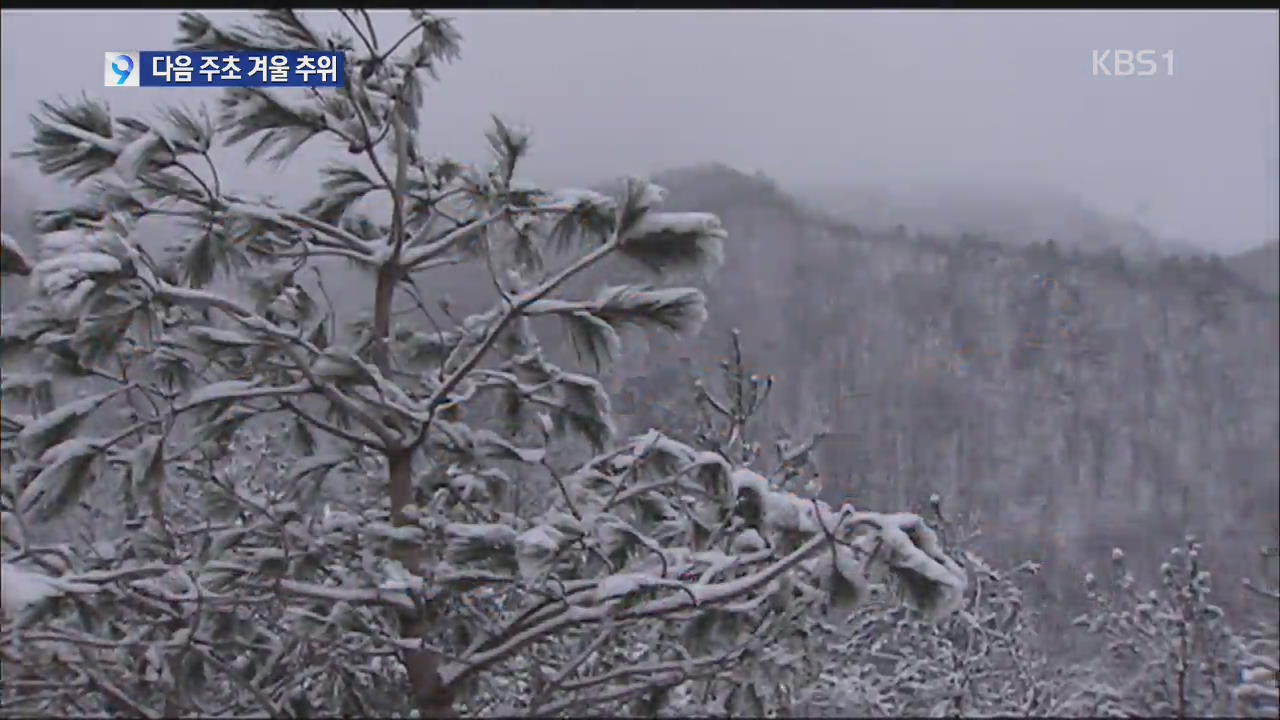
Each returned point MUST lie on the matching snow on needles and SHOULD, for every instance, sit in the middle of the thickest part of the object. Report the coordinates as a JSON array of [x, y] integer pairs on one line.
[[697, 224], [785, 510], [914, 553], [71, 263], [131, 161], [935, 583], [21, 588], [536, 547], [15, 261], [570, 198]]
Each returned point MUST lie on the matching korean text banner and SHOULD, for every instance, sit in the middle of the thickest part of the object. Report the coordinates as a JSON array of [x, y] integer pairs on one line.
[[256, 68]]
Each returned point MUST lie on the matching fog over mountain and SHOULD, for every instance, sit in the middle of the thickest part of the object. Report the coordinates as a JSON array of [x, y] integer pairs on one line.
[[1011, 214]]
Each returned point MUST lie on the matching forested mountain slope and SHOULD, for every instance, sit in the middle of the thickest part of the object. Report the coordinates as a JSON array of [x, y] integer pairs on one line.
[[1260, 266], [1078, 401]]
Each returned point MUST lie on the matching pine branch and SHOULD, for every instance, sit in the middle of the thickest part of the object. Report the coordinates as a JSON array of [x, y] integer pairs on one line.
[[256, 322], [513, 310], [705, 596], [420, 248], [330, 428]]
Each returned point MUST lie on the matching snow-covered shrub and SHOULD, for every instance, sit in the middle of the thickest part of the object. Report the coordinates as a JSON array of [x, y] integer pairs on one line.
[[877, 659], [1167, 651], [1258, 689], [319, 520]]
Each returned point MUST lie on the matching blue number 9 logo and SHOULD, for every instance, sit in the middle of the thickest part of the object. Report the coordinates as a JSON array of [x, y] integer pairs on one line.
[[125, 71]]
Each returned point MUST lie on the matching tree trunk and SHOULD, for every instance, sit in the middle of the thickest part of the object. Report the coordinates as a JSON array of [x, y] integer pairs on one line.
[[432, 698], [386, 288]]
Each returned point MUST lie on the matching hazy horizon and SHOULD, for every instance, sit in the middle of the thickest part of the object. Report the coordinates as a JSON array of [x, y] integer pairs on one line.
[[995, 99]]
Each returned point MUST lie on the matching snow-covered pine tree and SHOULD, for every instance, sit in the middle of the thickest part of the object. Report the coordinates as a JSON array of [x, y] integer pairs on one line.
[[228, 586]]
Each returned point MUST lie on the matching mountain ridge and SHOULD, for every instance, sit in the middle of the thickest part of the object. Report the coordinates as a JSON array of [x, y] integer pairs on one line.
[[1259, 266], [718, 187]]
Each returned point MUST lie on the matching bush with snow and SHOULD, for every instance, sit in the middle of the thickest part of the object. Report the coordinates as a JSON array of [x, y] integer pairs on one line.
[[874, 659], [1258, 690], [1166, 651]]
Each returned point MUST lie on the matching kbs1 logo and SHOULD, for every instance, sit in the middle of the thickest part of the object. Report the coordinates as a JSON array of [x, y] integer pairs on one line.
[[1125, 63], [255, 68]]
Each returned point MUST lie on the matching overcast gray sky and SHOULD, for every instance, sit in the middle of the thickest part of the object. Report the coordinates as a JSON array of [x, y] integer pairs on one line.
[[813, 98]]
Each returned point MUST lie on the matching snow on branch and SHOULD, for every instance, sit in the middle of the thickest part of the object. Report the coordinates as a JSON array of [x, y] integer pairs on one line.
[[13, 261], [75, 262], [22, 587], [676, 241], [936, 581]]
